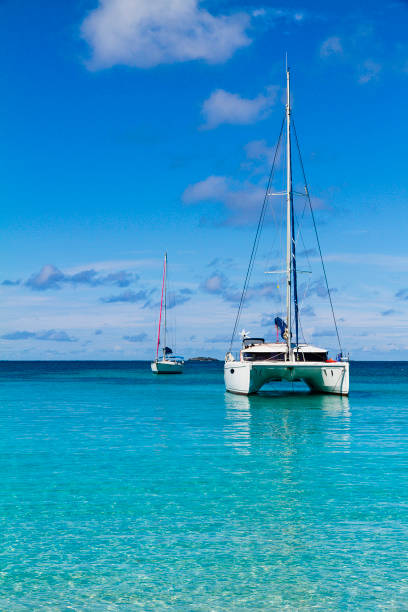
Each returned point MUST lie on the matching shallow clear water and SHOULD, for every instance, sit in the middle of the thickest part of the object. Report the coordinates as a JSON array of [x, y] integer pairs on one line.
[[121, 490]]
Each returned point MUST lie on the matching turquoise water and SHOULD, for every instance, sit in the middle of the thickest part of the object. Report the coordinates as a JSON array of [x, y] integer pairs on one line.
[[121, 490]]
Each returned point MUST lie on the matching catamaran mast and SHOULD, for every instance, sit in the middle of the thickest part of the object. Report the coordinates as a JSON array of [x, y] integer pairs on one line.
[[289, 210], [291, 273]]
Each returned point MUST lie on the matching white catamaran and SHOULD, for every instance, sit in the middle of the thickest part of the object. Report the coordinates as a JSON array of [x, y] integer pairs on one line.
[[169, 363], [261, 362]]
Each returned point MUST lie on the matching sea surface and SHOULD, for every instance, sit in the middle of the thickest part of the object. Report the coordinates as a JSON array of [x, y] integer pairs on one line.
[[122, 490]]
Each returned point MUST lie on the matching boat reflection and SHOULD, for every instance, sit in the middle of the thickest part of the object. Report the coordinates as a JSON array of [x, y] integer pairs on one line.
[[294, 418]]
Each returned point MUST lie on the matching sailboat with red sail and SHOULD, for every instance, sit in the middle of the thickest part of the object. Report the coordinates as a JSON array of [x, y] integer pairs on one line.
[[168, 363]]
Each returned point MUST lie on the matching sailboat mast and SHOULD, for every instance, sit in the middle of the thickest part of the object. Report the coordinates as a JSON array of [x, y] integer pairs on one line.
[[161, 308], [165, 305], [289, 211]]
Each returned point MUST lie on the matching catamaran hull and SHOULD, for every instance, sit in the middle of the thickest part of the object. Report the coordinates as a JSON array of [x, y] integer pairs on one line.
[[158, 367], [247, 378]]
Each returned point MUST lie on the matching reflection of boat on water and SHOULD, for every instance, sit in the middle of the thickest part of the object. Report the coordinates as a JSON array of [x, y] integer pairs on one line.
[[292, 487], [328, 404], [249, 419], [288, 359]]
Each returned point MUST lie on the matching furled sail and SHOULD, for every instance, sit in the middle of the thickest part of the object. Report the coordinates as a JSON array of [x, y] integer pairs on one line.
[[281, 325]]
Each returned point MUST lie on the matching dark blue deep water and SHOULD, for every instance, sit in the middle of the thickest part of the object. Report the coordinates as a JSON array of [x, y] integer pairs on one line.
[[122, 490]]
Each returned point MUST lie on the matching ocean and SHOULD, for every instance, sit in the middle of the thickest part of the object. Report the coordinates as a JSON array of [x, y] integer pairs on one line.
[[122, 490]]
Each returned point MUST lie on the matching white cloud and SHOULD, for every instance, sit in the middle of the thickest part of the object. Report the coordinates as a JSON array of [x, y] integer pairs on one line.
[[225, 107], [241, 200], [146, 33], [259, 151], [216, 283], [369, 71], [355, 48], [331, 46], [212, 188], [273, 15]]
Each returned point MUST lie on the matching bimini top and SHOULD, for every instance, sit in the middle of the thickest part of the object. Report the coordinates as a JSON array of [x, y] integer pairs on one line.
[[278, 351], [282, 347]]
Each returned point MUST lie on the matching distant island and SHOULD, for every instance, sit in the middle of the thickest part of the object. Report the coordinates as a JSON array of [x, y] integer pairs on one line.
[[202, 359]]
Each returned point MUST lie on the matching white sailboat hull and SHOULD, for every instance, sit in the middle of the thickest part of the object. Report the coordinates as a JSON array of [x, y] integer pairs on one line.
[[247, 378], [166, 367]]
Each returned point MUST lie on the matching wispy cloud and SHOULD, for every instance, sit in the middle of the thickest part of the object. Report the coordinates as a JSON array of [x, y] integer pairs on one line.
[[50, 277], [402, 294], [331, 46], [242, 201], [269, 16], [177, 298], [49, 335], [11, 283], [355, 48], [218, 284], [128, 296], [307, 311], [227, 261], [146, 33], [317, 287], [174, 298], [368, 71], [260, 152], [18, 335], [225, 107], [55, 336], [136, 338], [389, 312]]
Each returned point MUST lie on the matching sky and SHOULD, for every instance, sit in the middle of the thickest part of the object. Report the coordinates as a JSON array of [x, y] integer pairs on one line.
[[132, 127]]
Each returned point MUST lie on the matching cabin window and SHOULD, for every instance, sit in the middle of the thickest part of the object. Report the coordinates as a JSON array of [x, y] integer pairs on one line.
[[311, 356], [263, 356]]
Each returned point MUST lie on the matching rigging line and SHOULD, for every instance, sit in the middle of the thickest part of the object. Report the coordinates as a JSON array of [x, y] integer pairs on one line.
[[300, 219], [294, 272], [282, 285], [301, 331], [317, 237], [256, 241], [306, 284]]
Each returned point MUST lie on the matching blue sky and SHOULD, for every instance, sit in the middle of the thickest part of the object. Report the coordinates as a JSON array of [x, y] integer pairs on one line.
[[128, 128]]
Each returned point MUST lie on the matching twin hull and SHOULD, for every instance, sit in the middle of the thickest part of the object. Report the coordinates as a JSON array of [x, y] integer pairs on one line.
[[246, 378]]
